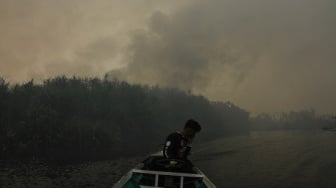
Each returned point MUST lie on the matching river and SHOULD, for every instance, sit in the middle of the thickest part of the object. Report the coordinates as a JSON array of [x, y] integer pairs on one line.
[[270, 159]]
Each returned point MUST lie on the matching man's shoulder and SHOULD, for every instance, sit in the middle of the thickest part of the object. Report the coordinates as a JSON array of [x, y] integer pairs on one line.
[[174, 135]]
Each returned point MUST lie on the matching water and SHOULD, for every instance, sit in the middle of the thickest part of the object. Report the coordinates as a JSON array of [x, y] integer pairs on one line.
[[270, 159], [286, 159]]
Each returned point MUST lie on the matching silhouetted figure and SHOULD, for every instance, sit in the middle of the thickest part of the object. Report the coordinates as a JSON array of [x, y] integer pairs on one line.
[[177, 145]]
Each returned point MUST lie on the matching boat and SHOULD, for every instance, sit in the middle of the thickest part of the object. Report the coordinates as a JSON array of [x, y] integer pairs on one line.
[[159, 172]]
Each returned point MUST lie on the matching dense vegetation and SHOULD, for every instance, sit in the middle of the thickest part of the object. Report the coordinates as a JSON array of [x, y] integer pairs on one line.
[[74, 119]]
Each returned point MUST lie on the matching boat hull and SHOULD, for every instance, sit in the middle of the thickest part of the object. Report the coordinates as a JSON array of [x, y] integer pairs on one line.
[[142, 177]]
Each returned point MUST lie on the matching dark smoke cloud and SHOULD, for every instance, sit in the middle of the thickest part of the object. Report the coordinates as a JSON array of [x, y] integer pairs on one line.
[[187, 50], [264, 55]]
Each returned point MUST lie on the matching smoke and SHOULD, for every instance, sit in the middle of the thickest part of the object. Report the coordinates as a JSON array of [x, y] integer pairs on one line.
[[44, 38], [191, 49], [268, 56], [263, 55]]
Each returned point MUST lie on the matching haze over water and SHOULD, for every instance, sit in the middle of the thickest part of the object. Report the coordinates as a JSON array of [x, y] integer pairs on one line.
[[270, 159]]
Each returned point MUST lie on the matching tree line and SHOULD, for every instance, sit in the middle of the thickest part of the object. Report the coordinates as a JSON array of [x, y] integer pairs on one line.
[[79, 119], [293, 120]]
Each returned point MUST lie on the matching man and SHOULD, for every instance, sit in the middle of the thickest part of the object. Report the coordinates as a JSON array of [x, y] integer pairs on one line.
[[176, 145]]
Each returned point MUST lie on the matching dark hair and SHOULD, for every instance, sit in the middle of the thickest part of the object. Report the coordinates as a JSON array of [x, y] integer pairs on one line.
[[194, 125]]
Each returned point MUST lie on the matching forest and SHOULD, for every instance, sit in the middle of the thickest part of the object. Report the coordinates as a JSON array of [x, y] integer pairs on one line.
[[71, 120]]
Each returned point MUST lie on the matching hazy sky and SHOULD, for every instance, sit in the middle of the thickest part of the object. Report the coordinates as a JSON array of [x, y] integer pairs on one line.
[[263, 55]]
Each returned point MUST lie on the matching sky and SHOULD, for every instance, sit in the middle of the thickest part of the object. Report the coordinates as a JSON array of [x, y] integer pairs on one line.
[[263, 55]]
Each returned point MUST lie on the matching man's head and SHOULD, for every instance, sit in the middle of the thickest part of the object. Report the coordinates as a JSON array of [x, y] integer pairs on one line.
[[191, 127]]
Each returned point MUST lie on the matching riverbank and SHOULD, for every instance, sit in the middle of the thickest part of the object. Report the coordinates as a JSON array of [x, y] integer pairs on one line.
[[101, 174]]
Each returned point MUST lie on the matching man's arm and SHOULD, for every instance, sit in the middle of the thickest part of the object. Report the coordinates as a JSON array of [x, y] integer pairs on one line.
[[172, 147]]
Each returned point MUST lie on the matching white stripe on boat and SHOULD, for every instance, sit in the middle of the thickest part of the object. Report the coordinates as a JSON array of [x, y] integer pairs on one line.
[[199, 174]]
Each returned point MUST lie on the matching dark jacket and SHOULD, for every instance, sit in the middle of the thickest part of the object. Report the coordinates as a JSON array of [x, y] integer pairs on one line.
[[175, 146]]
